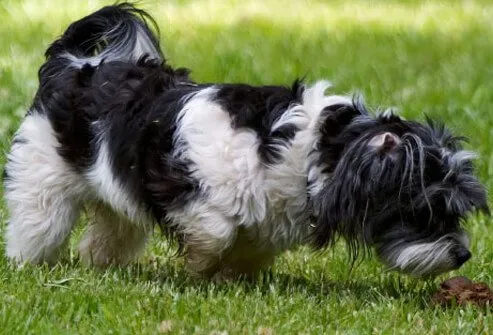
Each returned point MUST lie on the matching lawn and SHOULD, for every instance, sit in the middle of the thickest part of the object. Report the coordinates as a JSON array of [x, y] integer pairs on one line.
[[433, 57]]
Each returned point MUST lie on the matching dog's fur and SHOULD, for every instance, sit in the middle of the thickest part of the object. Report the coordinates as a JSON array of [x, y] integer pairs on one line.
[[236, 173]]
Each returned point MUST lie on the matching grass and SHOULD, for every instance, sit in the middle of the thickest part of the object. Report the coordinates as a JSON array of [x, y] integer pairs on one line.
[[424, 57]]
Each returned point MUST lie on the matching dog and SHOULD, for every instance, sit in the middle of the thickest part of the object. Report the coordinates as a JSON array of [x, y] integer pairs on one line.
[[235, 173]]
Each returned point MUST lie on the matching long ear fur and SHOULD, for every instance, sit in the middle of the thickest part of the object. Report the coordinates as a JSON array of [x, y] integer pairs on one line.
[[335, 213]]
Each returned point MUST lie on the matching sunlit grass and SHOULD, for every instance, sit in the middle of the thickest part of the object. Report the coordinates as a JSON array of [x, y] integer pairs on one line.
[[450, 16], [431, 57]]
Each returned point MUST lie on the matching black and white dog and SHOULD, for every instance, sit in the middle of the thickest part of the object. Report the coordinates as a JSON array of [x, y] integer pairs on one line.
[[236, 173]]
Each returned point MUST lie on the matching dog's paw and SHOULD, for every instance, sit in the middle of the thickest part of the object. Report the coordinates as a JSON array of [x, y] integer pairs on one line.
[[224, 275]]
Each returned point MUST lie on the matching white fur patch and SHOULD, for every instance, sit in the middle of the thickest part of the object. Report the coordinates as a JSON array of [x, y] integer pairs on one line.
[[42, 193], [226, 161], [425, 258], [110, 189]]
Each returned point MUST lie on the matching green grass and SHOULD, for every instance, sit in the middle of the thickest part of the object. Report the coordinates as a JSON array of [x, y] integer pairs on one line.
[[431, 57]]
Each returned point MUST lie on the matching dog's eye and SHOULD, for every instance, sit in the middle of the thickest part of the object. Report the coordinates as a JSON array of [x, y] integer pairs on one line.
[[384, 142]]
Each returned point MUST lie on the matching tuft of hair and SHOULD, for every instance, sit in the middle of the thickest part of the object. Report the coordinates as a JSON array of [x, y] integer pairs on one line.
[[114, 33]]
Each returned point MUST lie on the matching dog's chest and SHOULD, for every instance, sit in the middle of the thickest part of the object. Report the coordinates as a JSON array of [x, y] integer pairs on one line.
[[270, 215]]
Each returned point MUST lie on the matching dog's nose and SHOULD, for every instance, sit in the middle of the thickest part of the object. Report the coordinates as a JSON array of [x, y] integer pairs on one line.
[[462, 256]]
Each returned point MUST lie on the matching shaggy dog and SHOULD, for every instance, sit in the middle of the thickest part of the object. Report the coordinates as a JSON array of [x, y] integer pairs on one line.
[[236, 173]]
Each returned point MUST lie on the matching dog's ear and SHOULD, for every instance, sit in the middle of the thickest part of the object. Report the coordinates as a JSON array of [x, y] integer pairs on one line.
[[327, 219], [337, 117], [336, 215], [333, 137], [384, 142]]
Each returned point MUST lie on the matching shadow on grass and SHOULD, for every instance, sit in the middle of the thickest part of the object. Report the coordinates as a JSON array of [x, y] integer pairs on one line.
[[174, 277]]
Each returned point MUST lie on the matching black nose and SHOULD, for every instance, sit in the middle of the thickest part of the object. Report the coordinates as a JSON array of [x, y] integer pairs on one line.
[[462, 256]]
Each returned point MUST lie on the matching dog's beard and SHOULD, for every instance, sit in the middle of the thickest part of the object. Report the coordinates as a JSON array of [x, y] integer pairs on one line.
[[425, 257]]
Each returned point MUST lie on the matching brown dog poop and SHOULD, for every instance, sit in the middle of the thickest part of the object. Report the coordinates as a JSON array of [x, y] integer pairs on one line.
[[462, 291]]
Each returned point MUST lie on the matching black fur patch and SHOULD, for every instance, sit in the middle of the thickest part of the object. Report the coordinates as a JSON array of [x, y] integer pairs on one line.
[[66, 101], [258, 108]]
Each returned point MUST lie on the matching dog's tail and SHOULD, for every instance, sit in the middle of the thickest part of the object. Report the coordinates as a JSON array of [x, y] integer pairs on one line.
[[113, 33]]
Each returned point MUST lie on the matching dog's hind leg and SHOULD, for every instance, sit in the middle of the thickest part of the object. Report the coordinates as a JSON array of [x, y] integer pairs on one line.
[[111, 238], [207, 236], [42, 194]]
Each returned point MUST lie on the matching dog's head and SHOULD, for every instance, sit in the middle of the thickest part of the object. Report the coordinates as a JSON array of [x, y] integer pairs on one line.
[[400, 187]]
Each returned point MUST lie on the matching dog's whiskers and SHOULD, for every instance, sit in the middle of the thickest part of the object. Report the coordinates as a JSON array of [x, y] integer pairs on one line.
[[421, 167]]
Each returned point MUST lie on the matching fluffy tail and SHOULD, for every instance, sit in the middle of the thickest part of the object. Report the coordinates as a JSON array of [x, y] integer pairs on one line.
[[113, 33]]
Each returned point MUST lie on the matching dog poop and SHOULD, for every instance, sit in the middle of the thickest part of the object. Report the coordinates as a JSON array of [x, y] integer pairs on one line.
[[460, 291]]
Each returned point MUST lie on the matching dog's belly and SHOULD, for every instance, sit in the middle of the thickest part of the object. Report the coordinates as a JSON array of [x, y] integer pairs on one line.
[[256, 246], [248, 255]]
